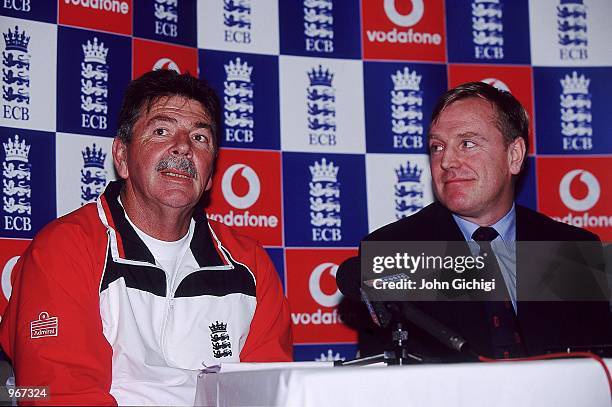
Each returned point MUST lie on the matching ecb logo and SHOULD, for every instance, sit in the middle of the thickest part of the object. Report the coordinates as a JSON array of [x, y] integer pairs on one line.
[[407, 110], [399, 98], [248, 88], [576, 113], [318, 25], [487, 29], [408, 190], [16, 188], [19, 5], [87, 102], [93, 174], [491, 31], [16, 75], [321, 102], [94, 88], [237, 21], [398, 186], [572, 30], [329, 357], [166, 17], [320, 28], [238, 102], [324, 352], [33, 10], [325, 202], [220, 340]]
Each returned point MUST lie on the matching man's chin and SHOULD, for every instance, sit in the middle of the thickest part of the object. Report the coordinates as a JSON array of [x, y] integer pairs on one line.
[[178, 199], [459, 205]]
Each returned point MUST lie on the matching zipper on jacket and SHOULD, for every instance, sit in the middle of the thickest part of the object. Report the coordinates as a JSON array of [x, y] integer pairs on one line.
[[167, 314]]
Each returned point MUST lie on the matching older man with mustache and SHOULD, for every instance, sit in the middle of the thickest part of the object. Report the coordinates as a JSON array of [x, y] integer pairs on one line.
[[125, 300]]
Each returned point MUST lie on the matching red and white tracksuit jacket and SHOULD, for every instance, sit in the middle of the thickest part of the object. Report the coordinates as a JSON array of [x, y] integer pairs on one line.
[[92, 316]]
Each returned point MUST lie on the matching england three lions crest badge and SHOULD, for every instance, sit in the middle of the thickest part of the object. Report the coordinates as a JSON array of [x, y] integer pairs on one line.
[[220, 340]]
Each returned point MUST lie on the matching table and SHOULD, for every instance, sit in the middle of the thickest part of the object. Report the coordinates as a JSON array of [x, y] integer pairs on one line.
[[558, 383]]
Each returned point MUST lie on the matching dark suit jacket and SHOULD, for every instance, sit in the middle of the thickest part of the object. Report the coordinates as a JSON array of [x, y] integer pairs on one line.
[[544, 325]]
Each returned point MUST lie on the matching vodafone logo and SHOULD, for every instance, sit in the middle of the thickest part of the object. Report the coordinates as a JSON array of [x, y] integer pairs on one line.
[[593, 190], [114, 6], [166, 63], [314, 285], [405, 20], [246, 201], [580, 192], [406, 34], [320, 316], [496, 83], [7, 287], [236, 195]]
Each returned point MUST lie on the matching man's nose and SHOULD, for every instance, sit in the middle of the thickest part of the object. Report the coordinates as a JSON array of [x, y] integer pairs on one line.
[[182, 144], [449, 159]]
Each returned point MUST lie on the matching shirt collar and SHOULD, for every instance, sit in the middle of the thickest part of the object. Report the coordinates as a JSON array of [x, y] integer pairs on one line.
[[506, 226]]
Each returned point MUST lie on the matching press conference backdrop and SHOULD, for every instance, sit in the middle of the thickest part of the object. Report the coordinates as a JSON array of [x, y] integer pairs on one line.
[[325, 110]]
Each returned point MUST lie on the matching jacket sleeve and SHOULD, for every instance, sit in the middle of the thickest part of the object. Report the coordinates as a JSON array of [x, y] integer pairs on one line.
[[269, 337], [57, 278]]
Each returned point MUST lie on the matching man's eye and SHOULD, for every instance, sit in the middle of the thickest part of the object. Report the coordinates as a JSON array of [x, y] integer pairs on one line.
[[435, 148], [468, 144], [201, 138], [160, 132]]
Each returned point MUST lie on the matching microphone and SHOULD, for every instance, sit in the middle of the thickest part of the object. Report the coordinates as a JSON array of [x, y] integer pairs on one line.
[[349, 283], [348, 279], [441, 332]]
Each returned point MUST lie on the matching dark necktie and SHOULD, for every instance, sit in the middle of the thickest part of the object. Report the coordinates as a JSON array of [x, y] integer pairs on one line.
[[502, 320]]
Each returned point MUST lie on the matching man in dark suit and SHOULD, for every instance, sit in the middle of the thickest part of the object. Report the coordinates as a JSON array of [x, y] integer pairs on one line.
[[478, 141]]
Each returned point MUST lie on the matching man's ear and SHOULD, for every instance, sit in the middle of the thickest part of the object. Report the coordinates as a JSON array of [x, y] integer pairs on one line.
[[120, 158], [516, 155]]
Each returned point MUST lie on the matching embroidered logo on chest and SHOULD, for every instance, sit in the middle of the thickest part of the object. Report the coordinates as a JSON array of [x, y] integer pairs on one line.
[[220, 340]]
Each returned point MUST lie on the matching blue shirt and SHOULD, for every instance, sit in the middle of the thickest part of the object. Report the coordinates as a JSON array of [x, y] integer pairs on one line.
[[503, 246]]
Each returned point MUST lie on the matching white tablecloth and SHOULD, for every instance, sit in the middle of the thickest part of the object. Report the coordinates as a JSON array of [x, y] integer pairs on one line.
[[558, 383]]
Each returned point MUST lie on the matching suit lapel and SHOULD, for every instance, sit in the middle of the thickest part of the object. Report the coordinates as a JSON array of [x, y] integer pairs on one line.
[[532, 316], [446, 225]]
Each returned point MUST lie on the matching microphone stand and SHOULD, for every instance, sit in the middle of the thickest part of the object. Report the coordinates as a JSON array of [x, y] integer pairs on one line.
[[398, 356]]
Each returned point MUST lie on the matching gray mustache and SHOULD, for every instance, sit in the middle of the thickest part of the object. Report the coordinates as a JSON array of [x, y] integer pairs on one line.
[[177, 163]]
